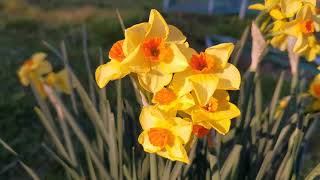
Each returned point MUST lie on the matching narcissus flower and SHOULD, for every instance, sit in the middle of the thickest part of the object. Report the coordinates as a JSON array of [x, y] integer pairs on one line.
[[315, 87], [304, 26], [216, 114], [114, 69], [164, 135], [167, 101], [59, 81], [34, 68], [207, 72]]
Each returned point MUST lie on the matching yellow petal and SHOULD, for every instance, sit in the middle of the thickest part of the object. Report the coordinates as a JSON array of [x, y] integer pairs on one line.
[[290, 7], [175, 35], [154, 81], [143, 139], [204, 86], [151, 117], [276, 14], [301, 44], [136, 62], [257, 6], [227, 112], [62, 82], [108, 72], [134, 36], [230, 78], [180, 84], [176, 152], [221, 52], [182, 129], [158, 26], [177, 64], [222, 126], [186, 102]]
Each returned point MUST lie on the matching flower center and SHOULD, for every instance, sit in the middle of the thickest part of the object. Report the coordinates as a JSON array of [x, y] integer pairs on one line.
[[116, 51], [316, 89], [164, 96], [201, 63], [212, 105], [200, 131], [160, 137], [307, 26], [155, 50]]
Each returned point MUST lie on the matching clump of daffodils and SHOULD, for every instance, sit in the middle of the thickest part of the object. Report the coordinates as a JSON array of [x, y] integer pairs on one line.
[[291, 18], [39, 71], [189, 88]]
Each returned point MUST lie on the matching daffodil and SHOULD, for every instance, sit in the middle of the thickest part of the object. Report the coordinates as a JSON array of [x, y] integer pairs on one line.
[[34, 68], [315, 87], [154, 51], [312, 50], [216, 114], [207, 72], [114, 69], [59, 81], [271, 6], [151, 49], [169, 102], [304, 26], [163, 135]]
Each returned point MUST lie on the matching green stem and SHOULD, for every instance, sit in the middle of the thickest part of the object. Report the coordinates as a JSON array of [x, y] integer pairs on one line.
[[153, 167]]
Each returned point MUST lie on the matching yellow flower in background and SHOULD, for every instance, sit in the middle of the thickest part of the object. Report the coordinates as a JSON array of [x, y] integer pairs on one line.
[[304, 26], [167, 101], [59, 81], [207, 72], [282, 106], [315, 87], [34, 68], [271, 6], [164, 135], [114, 69], [216, 114], [312, 50]]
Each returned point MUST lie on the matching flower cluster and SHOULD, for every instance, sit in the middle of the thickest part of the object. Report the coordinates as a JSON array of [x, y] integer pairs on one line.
[[292, 18], [189, 88], [39, 71]]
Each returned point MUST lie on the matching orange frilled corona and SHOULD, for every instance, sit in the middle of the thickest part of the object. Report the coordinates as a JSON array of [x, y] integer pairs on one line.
[[201, 63], [212, 105], [160, 137], [155, 50], [116, 51], [307, 26], [316, 89], [164, 96]]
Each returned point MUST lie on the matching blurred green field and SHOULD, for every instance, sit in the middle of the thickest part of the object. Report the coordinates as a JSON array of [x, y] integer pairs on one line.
[[24, 25]]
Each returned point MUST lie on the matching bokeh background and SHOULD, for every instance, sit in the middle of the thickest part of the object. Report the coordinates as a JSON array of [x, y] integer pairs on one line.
[[25, 25]]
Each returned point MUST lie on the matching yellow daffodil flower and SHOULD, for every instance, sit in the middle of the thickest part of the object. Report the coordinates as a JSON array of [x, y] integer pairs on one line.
[[114, 69], [216, 114], [169, 102], [315, 87], [271, 6], [304, 26], [164, 135], [207, 72], [34, 68], [312, 50], [59, 81]]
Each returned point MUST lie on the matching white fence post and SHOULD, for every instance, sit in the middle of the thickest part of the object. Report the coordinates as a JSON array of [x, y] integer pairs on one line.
[[210, 6], [243, 9]]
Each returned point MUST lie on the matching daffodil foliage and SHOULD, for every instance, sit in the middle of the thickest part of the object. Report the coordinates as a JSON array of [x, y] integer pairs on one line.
[[291, 18], [189, 88]]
